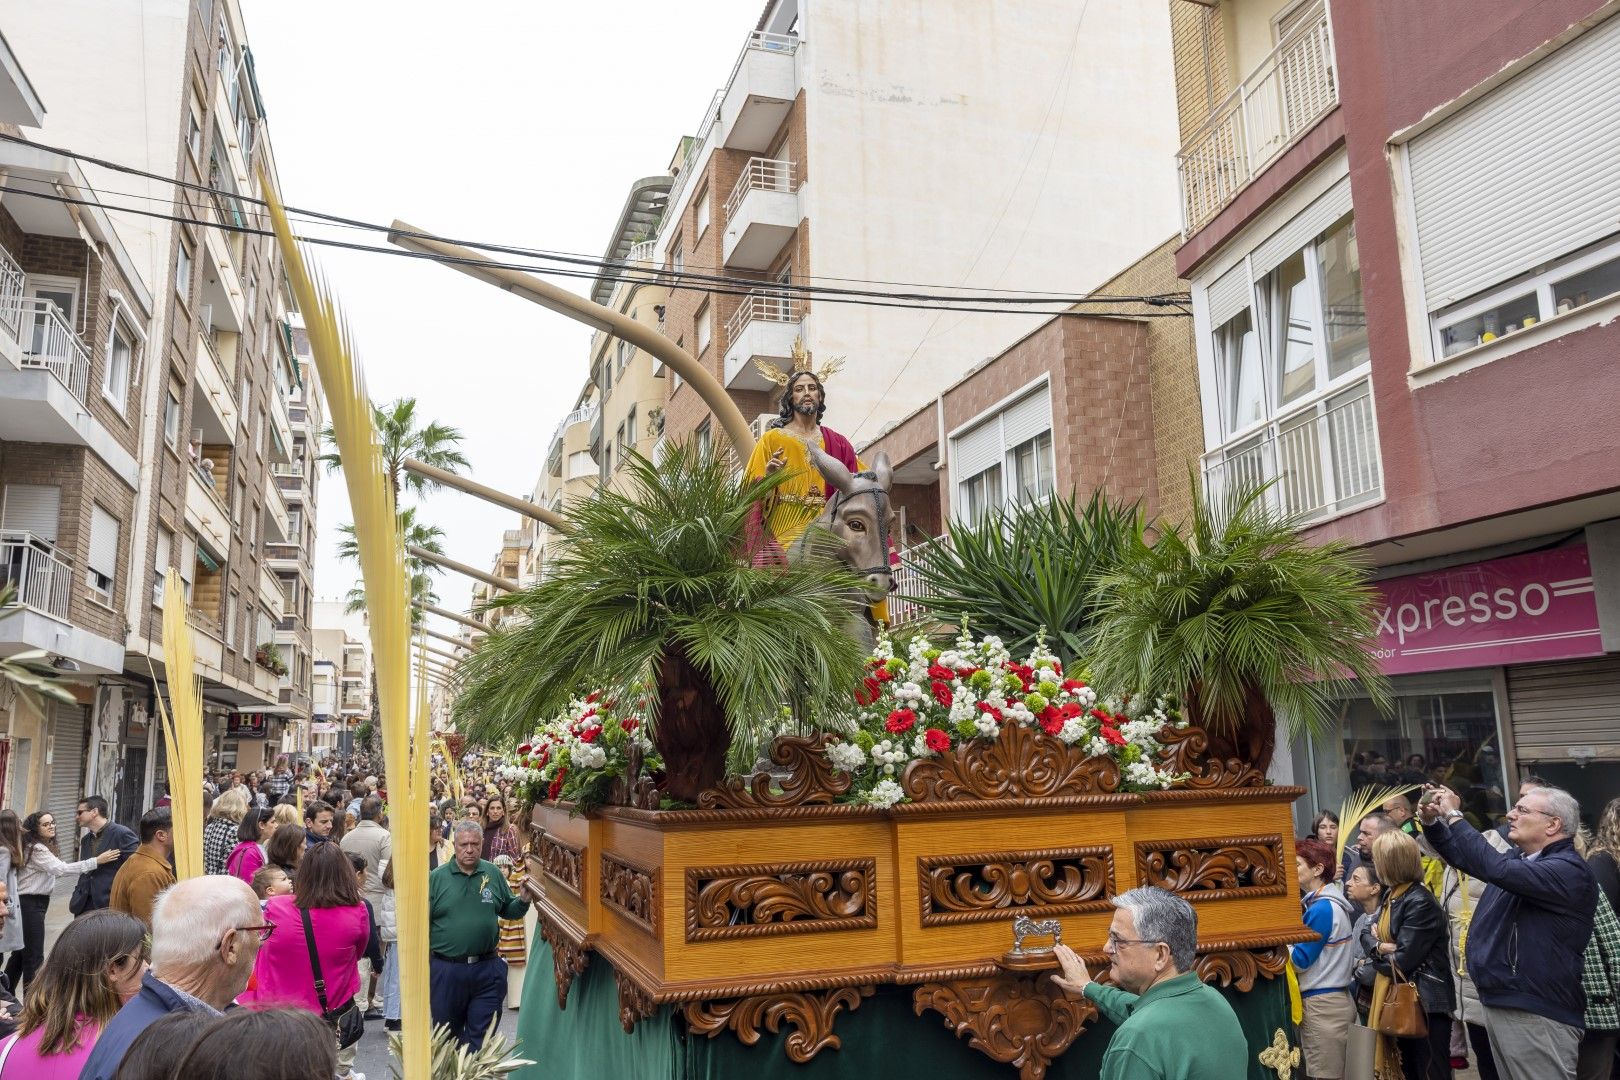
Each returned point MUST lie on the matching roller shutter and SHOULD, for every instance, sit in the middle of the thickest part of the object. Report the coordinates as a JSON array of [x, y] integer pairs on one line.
[[1559, 706], [66, 769]]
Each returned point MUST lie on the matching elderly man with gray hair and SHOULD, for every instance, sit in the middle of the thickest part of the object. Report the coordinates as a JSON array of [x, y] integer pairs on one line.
[[1170, 1025], [206, 933], [467, 897], [1527, 938]]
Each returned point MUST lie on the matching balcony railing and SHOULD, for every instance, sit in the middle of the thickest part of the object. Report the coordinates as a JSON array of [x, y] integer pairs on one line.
[[641, 252], [49, 342], [42, 578], [906, 601], [760, 174], [288, 468], [12, 281], [1278, 102], [763, 307], [1320, 460]]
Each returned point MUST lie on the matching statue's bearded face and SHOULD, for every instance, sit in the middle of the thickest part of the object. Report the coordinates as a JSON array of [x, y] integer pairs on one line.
[[805, 395]]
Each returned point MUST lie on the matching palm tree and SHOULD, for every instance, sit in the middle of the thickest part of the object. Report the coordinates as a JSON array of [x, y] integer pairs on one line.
[[1242, 615], [25, 671], [654, 587], [435, 444], [1029, 571]]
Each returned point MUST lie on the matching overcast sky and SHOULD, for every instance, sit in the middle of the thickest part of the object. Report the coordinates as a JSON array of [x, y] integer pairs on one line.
[[515, 122]]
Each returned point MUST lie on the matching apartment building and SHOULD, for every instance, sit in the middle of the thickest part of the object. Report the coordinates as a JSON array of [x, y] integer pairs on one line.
[[1402, 238], [162, 351], [853, 144], [341, 643], [323, 705]]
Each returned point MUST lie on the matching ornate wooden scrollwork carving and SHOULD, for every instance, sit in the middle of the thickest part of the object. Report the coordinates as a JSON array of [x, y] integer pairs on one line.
[[1020, 763], [1019, 1020], [803, 776], [631, 891], [781, 898], [1213, 869], [810, 1014], [568, 958], [561, 862], [1240, 967], [1186, 750], [635, 1004], [1004, 884]]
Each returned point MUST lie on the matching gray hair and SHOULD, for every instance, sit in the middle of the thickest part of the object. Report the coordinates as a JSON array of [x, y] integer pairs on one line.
[[1563, 806], [466, 825], [190, 918], [1163, 916]]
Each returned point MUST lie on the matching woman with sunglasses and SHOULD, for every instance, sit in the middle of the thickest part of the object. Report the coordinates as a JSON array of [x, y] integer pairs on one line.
[[94, 968], [327, 902], [36, 878]]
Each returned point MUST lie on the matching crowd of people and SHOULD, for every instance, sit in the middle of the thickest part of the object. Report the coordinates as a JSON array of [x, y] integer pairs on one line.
[[270, 964], [1439, 939]]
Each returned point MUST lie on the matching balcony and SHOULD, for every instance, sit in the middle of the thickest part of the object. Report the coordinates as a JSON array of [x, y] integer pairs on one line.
[[214, 407], [1280, 100], [764, 327], [12, 282], [906, 603], [271, 598], [1321, 460], [641, 252], [281, 441], [763, 84], [277, 522], [283, 556], [762, 214], [206, 512], [42, 577], [50, 344]]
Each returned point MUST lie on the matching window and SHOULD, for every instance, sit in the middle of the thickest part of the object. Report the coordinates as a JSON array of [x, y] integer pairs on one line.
[[606, 467], [194, 130], [677, 258], [701, 200], [245, 398], [1005, 458], [258, 434], [230, 621], [238, 500], [250, 530], [188, 564], [703, 438], [120, 361], [182, 270], [171, 418], [629, 432], [1500, 223], [165, 544], [625, 352], [102, 564], [35, 509], [252, 289], [705, 329]]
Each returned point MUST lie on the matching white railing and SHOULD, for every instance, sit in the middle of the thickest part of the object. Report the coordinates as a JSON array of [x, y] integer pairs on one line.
[[760, 174], [288, 468], [42, 578], [49, 342], [1319, 460], [909, 583], [12, 281], [641, 251], [1278, 101], [763, 307]]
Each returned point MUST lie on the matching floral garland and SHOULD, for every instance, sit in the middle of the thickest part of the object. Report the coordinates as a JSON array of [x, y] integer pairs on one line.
[[578, 754], [935, 700]]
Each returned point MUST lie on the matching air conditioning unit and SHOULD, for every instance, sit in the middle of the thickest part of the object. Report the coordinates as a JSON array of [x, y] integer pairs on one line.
[[761, 424]]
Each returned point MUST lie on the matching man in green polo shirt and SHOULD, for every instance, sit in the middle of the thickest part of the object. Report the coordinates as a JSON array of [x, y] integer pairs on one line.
[[466, 897], [1170, 1025]]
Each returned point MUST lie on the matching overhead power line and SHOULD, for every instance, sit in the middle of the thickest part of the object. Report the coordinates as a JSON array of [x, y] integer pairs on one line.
[[599, 268]]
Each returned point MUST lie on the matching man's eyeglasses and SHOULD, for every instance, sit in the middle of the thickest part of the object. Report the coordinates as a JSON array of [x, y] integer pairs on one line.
[[1115, 942], [1520, 808], [264, 931]]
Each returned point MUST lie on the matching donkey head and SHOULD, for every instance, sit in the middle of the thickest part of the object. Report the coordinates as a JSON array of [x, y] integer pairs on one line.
[[858, 518]]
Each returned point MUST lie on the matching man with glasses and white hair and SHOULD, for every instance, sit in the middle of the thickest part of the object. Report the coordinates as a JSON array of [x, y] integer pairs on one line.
[[467, 897], [206, 933], [1170, 1025], [1527, 938]]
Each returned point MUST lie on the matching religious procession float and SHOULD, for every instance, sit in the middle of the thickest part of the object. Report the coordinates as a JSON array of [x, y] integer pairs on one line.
[[771, 841]]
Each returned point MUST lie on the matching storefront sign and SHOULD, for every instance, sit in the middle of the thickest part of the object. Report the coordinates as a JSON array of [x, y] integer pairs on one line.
[[323, 727], [245, 726], [1517, 610]]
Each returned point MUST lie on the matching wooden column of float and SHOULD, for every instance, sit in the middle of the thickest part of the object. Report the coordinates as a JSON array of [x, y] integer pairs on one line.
[[774, 905]]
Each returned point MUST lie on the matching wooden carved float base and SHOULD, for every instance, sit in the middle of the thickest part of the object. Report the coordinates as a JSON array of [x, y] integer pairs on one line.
[[810, 1014]]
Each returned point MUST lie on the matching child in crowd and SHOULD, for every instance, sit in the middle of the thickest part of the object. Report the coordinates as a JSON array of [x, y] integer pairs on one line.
[[270, 881], [374, 942]]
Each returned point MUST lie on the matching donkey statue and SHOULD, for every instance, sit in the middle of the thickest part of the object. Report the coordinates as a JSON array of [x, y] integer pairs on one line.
[[854, 528]]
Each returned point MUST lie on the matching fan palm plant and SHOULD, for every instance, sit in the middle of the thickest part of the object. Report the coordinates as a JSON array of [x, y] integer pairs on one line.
[[1029, 570], [1241, 614], [653, 586], [432, 444], [25, 671]]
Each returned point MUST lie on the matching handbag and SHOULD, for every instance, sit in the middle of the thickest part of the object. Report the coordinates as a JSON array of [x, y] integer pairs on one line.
[[82, 895], [1360, 1052], [1402, 1015], [348, 1022]]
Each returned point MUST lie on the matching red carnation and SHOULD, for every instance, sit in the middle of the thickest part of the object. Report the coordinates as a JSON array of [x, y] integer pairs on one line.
[[1051, 719], [868, 691], [901, 721], [524, 749], [884, 674], [589, 734], [556, 785], [592, 696], [937, 740], [942, 693], [629, 724]]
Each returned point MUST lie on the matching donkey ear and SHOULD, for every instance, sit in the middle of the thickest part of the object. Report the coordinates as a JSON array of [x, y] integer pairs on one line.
[[883, 471], [831, 469]]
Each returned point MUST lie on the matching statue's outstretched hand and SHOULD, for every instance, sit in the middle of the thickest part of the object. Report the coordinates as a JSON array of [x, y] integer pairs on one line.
[[777, 460]]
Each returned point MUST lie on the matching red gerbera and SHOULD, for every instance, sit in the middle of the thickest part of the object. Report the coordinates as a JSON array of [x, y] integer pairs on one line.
[[1071, 685], [938, 671], [942, 693], [901, 721], [1051, 719], [1112, 736], [936, 740], [868, 691], [993, 711]]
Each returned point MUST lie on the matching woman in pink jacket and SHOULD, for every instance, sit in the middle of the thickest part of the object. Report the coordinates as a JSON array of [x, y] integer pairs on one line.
[[328, 895], [248, 854]]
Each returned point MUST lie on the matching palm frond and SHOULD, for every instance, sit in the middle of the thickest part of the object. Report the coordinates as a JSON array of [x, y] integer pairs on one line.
[[1363, 801]]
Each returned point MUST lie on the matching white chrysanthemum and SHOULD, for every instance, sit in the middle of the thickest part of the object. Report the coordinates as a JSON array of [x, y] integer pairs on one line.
[[1073, 730], [589, 756], [909, 692], [986, 725], [919, 746], [846, 756], [1097, 747], [1086, 696], [1020, 713], [1145, 775], [885, 793], [962, 709]]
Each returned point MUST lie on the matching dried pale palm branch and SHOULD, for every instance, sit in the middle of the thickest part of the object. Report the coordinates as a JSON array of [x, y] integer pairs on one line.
[[1362, 802]]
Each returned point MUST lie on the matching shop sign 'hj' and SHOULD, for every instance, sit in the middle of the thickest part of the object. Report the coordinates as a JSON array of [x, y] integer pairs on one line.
[[1521, 609]]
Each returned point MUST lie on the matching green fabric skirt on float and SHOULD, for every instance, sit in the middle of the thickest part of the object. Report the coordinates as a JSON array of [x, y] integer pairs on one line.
[[884, 1037]]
